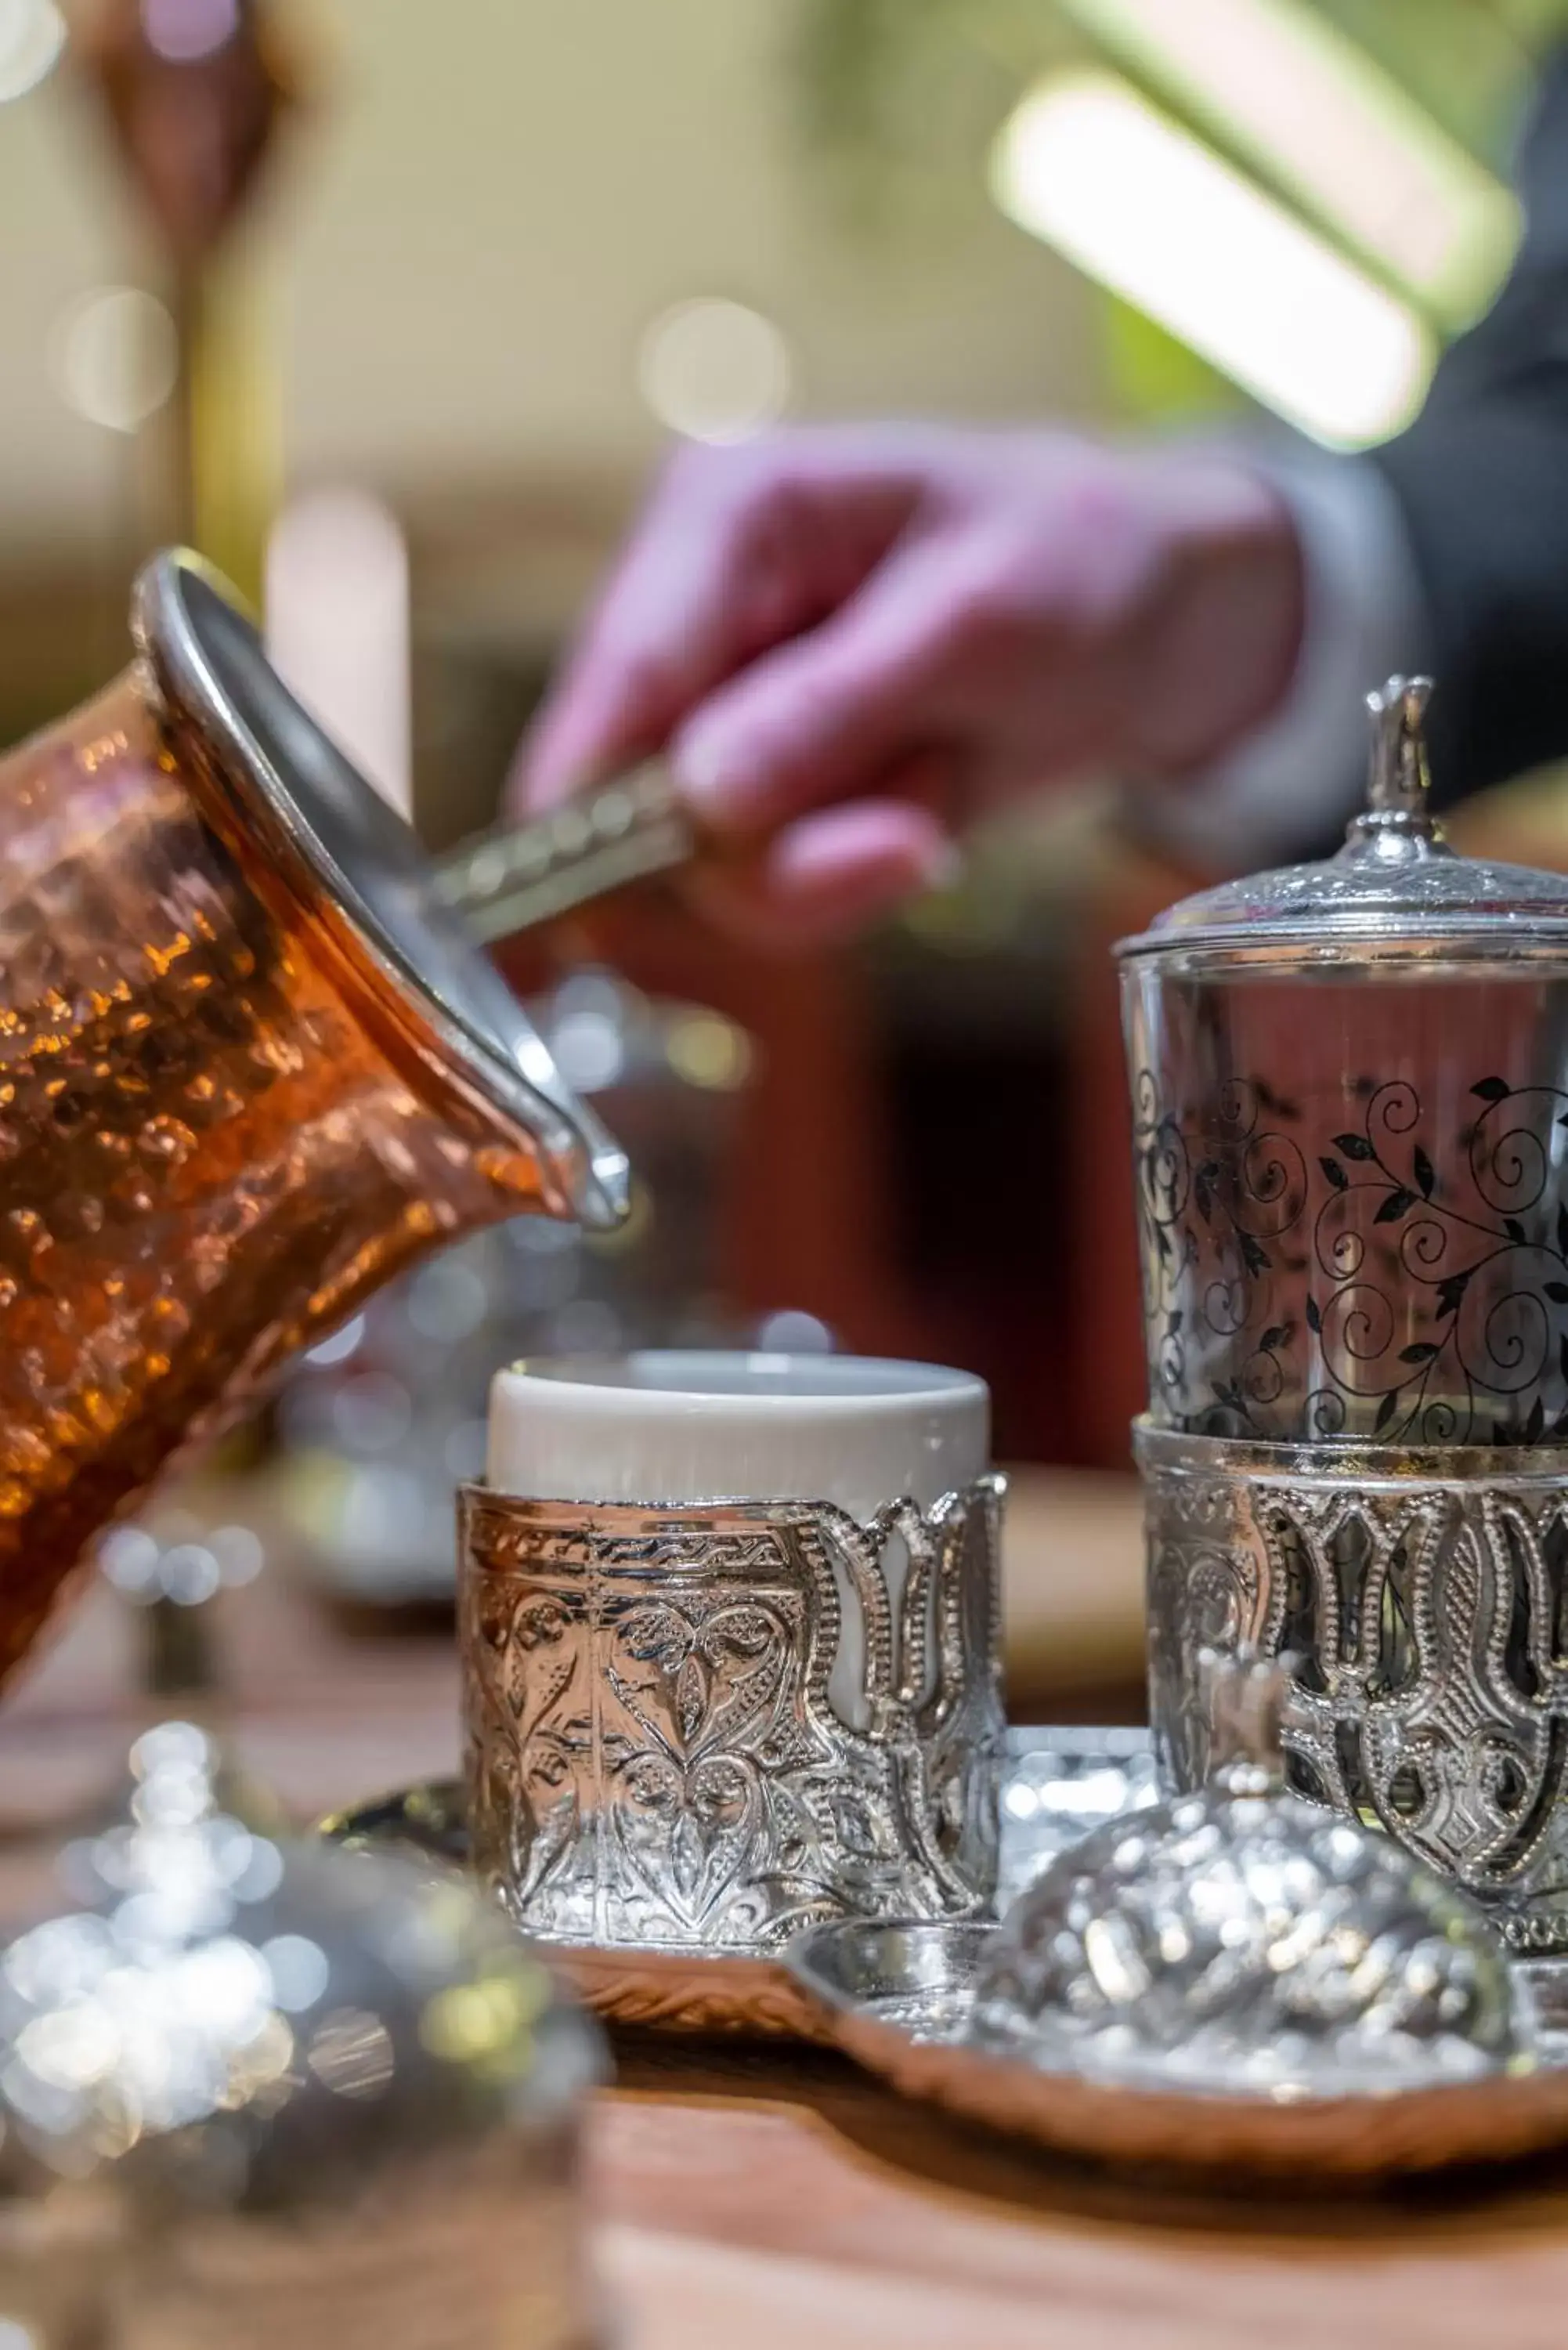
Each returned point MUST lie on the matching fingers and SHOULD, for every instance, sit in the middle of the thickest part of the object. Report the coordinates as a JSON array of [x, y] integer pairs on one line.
[[737, 551], [826, 716], [663, 633], [846, 864], [830, 874]]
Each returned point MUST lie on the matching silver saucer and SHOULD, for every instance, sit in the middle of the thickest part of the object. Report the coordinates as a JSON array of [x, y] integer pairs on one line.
[[1057, 1784], [899, 1998]]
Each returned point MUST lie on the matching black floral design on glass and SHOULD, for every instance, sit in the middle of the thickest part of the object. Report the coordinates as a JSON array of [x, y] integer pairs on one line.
[[1381, 1280]]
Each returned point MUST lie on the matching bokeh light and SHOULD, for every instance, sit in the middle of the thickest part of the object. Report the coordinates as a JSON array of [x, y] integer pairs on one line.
[[1086, 164], [116, 356], [32, 37], [709, 1051], [793, 1332], [337, 627], [1314, 111], [714, 370], [184, 30], [340, 1346], [299, 1968]]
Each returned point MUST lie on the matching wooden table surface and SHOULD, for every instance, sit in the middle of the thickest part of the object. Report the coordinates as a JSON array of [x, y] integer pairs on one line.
[[772, 2197]]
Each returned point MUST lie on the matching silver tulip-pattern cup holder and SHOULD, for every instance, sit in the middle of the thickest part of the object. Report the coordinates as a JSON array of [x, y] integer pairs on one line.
[[1350, 1092], [1422, 1595], [697, 1726]]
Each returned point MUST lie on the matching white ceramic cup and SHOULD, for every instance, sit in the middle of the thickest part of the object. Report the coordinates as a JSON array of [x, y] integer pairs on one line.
[[668, 1428]]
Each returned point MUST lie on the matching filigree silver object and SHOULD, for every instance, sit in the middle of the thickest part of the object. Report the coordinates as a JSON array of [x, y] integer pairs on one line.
[[1238, 1940], [1232, 1980], [1425, 1597], [1350, 1104], [654, 1765], [900, 2000], [1318, 1267]]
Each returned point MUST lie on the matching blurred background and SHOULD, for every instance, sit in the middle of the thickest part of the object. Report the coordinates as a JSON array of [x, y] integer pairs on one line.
[[394, 308]]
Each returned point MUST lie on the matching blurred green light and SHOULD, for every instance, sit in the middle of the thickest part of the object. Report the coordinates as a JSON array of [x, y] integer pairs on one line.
[[1091, 167], [1296, 99]]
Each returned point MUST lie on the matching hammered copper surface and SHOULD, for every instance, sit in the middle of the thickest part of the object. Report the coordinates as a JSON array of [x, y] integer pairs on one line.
[[218, 1130]]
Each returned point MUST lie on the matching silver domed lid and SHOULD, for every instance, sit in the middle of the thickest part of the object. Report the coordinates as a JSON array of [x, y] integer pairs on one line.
[[1244, 1941], [235, 2021], [1394, 890]]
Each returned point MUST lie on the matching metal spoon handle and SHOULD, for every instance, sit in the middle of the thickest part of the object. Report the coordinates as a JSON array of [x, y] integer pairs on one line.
[[506, 881]]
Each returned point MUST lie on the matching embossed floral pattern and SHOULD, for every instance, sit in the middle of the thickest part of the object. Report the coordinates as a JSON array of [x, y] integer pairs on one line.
[[653, 1758]]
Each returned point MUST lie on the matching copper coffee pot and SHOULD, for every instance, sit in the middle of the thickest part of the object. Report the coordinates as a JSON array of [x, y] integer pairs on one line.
[[250, 1068]]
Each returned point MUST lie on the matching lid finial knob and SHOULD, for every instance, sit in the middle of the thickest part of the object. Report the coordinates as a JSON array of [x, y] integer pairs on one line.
[[1399, 779]]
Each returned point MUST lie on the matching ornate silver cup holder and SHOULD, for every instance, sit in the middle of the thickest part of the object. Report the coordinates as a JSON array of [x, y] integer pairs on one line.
[[655, 1757], [1423, 1598]]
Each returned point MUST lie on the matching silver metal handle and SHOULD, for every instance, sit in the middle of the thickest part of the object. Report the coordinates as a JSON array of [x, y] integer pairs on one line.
[[507, 881]]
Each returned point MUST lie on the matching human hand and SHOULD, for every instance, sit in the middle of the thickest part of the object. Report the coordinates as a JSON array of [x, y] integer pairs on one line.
[[853, 641]]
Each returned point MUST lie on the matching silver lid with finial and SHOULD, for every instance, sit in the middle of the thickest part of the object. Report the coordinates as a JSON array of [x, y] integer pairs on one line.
[[1243, 1941], [1394, 888], [335, 2096]]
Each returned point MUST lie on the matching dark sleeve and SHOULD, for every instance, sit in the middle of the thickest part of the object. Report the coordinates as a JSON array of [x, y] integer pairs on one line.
[[1482, 478]]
